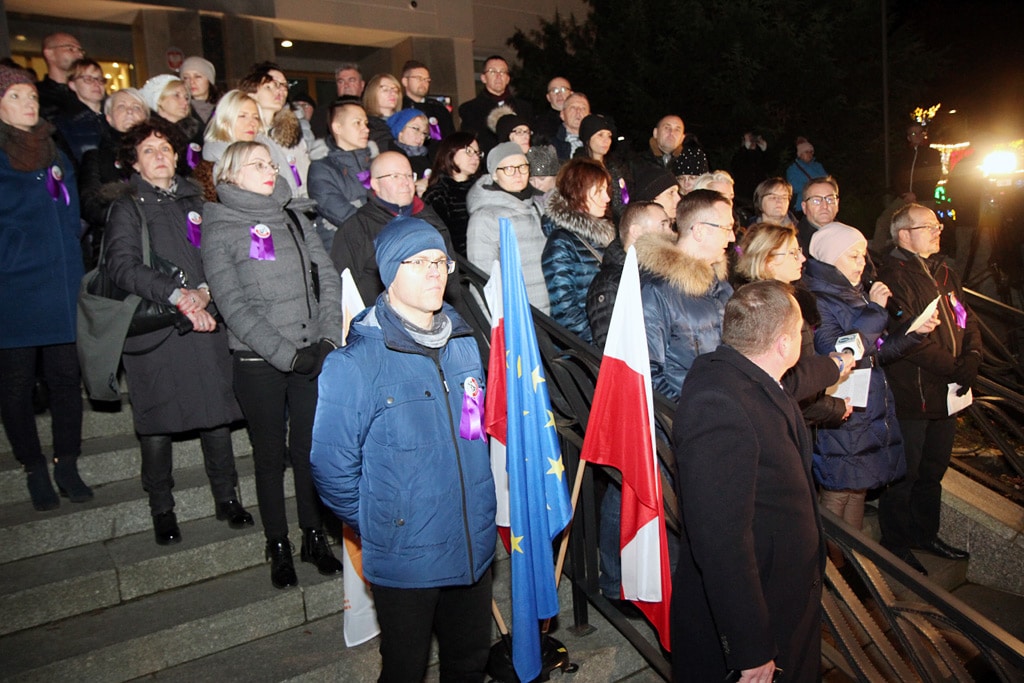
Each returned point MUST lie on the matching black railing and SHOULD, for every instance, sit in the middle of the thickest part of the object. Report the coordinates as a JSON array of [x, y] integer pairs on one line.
[[884, 623]]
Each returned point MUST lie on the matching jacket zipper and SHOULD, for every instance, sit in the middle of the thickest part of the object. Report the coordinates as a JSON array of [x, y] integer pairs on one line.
[[458, 462], [947, 323]]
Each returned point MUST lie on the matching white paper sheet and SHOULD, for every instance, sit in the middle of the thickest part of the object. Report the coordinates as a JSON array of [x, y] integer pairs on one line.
[[954, 403], [854, 388]]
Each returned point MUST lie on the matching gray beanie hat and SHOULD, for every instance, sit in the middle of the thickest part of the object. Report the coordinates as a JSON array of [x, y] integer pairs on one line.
[[500, 153], [201, 65]]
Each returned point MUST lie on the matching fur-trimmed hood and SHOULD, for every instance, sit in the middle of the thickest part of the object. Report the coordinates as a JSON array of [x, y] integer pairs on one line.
[[285, 128], [659, 256], [495, 116], [597, 231]]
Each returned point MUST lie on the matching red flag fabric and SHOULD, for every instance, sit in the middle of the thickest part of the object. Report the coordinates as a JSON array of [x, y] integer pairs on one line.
[[620, 434]]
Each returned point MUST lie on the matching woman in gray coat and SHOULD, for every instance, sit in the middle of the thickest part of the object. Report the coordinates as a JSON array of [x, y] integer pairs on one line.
[[281, 300], [179, 378]]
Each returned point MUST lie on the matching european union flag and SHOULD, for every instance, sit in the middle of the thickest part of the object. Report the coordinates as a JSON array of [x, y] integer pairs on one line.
[[539, 506]]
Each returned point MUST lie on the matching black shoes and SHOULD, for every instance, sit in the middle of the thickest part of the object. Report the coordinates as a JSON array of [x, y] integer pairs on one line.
[[316, 551], [282, 568], [165, 528], [236, 515], [39, 487], [911, 561], [943, 549], [71, 486]]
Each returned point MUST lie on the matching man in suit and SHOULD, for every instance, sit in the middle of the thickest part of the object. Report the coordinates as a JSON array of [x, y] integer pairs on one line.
[[747, 590]]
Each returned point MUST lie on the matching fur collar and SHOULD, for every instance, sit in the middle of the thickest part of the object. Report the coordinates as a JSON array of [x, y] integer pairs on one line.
[[598, 231], [659, 256], [285, 129], [658, 154]]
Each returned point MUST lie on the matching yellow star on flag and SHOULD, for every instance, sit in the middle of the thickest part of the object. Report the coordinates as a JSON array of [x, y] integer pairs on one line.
[[551, 419], [556, 468], [537, 379], [516, 547]]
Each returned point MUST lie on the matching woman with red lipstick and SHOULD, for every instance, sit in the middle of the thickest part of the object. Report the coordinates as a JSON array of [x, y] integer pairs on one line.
[[179, 378], [281, 301], [267, 85], [237, 118]]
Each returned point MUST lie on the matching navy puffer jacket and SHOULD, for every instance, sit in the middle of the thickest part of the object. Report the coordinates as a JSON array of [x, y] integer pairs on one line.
[[867, 450]]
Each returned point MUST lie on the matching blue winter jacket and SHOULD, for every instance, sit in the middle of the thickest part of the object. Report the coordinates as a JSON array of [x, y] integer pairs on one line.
[[867, 450], [40, 257], [388, 460]]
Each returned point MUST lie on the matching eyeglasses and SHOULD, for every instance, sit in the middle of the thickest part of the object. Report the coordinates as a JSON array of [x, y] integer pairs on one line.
[[497, 72], [389, 89], [521, 131], [524, 169], [937, 228], [90, 79], [829, 199], [795, 253], [70, 47], [417, 130], [411, 177], [560, 91], [425, 79], [472, 152], [422, 265], [275, 85], [263, 166], [728, 228]]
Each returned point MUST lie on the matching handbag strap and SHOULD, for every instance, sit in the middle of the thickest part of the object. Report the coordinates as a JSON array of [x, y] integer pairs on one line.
[[146, 254]]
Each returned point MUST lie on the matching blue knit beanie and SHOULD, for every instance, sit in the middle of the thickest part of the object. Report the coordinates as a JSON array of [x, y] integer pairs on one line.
[[401, 118], [401, 238]]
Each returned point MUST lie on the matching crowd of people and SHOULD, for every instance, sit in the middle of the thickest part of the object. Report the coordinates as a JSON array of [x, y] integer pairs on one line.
[[748, 288]]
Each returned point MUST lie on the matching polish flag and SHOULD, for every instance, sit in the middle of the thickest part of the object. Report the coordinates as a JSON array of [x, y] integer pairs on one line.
[[620, 434], [495, 405]]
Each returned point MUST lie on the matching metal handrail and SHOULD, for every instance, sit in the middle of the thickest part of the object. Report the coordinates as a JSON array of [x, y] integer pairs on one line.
[[915, 631]]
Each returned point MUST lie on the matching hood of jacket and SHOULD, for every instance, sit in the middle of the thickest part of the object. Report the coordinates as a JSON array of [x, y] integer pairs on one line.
[[381, 322], [659, 256], [597, 231]]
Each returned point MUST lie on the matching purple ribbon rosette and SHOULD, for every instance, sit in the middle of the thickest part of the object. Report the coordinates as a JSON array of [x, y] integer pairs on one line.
[[295, 172], [261, 244], [471, 423], [55, 184], [192, 155], [364, 178], [435, 129], [959, 311], [623, 191], [195, 231]]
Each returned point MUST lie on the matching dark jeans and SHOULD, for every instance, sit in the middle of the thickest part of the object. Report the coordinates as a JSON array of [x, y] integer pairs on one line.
[[908, 511], [276, 404], [63, 380], [218, 458], [460, 616]]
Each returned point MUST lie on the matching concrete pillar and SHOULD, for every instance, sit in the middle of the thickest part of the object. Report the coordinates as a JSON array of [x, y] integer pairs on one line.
[[246, 42], [154, 31], [450, 61], [5, 32]]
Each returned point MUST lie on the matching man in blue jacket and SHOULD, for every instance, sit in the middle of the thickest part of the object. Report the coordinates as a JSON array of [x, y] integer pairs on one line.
[[399, 459]]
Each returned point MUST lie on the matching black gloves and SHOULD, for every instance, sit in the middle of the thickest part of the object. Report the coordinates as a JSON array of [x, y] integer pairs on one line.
[[966, 371], [308, 360]]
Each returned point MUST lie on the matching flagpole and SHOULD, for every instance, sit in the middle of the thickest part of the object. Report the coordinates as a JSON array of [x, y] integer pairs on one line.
[[576, 486]]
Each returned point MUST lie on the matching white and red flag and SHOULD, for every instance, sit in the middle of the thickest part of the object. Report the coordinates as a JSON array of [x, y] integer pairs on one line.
[[620, 434]]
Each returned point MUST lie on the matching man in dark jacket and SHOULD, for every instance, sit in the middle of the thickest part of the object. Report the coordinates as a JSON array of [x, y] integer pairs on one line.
[[820, 204], [496, 94], [916, 273], [746, 593], [390, 463], [393, 194], [416, 82], [640, 218], [60, 50]]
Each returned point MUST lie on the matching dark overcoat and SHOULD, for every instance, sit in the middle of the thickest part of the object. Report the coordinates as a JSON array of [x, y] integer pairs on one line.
[[747, 587]]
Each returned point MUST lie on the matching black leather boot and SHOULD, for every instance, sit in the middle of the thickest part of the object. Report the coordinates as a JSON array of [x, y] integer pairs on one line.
[[236, 515], [282, 568], [316, 550], [39, 487], [70, 484], [165, 528]]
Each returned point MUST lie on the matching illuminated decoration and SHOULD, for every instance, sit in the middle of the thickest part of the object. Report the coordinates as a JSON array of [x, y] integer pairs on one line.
[[951, 154], [924, 116]]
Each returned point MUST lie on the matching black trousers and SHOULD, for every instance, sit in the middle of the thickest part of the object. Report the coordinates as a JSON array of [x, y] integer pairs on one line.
[[460, 616], [908, 511], [63, 380], [278, 405], [157, 465]]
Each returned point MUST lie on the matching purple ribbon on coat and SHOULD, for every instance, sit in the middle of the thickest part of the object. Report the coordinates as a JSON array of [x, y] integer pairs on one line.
[[959, 311], [624, 191], [364, 178], [295, 172], [55, 184], [192, 156], [195, 233], [435, 129], [471, 423], [261, 246]]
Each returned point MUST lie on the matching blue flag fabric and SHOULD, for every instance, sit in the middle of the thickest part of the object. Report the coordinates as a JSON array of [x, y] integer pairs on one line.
[[539, 504]]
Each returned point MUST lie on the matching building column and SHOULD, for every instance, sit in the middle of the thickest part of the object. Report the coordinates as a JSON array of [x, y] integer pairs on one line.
[[246, 42], [155, 31]]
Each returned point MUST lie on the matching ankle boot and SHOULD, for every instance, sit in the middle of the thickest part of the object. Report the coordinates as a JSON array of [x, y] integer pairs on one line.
[[282, 568], [70, 484], [39, 487], [165, 528], [236, 515], [316, 551]]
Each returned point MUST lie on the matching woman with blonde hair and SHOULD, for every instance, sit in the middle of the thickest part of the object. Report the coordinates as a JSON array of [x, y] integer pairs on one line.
[[237, 118], [382, 98]]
